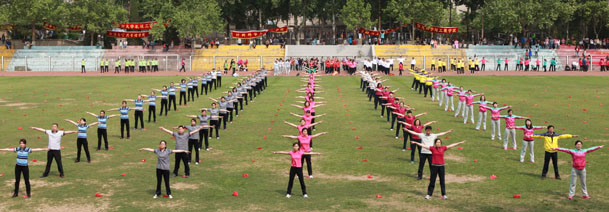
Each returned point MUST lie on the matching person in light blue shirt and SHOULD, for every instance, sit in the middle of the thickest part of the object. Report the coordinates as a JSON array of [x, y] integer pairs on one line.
[[81, 141], [183, 87], [102, 129], [124, 110], [23, 153]]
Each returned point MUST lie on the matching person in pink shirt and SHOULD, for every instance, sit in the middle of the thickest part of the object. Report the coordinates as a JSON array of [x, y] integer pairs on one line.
[[579, 167], [461, 105], [521, 64], [304, 139], [469, 106], [437, 165], [296, 168], [527, 140], [389, 100], [302, 125], [526, 64], [505, 68], [400, 112], [482, 112], [449, 96], [408, 125], [393, 107], [537, 62], [495, 124], [510, 128], [483, 61]]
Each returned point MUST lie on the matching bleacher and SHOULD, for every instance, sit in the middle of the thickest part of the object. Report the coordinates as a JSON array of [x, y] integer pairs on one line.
[[169, 60], [55, 58], [492, 53], [203, 59], [7, 56], [567, 52], [423, 54]]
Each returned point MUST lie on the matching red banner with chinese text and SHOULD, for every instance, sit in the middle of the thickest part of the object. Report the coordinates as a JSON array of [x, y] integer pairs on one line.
[[257, 33], [377, 33], [443, 30], [126, 34], [75, 28], [49, 26], [140, 25]]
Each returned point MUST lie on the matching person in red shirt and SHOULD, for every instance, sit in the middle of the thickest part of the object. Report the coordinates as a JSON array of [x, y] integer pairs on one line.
[[418, 128], [408, 125], [296, 167], [437, 165]]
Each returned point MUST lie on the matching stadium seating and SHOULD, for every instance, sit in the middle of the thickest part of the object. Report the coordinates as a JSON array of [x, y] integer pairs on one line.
[[55, 58], [203, 59]]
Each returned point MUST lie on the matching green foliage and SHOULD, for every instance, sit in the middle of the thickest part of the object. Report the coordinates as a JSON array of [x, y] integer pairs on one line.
[[356, 13]]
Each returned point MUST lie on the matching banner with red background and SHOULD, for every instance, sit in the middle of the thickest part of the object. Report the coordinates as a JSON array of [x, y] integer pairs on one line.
[[257, 33], [377, 33], [49, 26], [140, 25], [126, 34], [443, 30]]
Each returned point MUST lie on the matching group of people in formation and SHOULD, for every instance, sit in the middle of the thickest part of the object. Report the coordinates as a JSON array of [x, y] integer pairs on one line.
[[443, 92], [302, 149], [127, 65], [397, 113], [221, 109]]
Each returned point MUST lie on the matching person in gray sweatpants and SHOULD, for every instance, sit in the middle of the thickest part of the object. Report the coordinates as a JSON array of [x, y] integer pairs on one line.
[[579, 167]]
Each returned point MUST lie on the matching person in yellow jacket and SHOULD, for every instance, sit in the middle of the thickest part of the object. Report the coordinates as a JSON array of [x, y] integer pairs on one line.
[[101, 66], [106, 63], [415, 80], [422, 80], [433, 64], [117, 66], [428, 84], [82, 62], [550, 143]]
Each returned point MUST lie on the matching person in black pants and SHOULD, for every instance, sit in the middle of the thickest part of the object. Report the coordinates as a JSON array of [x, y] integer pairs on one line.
[[151, 106], [550, 154], [183, 87], [164, 95], [181, 144], [172, 96], [162, 166], [82, 137], [54, 152], [124, 110], [437, 166], [427, 139], [22, 165], [139, 110], [204, 121], [102, 128], [296, 169]]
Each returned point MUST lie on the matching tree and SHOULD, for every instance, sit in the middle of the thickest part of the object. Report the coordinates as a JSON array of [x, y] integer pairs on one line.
[[196, 18], [33, 13], [415, 11], [356, 13], [97, 16]]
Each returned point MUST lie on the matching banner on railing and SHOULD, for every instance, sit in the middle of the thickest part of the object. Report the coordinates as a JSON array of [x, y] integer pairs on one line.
[[377, 33], [434, 29], [118, 34], [257, 33], [75, 28]]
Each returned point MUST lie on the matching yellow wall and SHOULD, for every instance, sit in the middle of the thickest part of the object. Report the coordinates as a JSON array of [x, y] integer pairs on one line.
[[418, 52], [8, 55], [203, 58]]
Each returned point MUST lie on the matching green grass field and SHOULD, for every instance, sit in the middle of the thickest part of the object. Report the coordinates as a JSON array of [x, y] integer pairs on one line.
[[577, 104]]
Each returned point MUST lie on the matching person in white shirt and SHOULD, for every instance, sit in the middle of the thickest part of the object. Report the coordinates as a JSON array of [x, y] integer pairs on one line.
[[413, 63], [54, 147], [427, 139]]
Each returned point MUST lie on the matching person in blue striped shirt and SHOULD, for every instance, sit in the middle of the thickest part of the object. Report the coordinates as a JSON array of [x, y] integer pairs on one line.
[[195, 87], [102, 127], [81, 141], [191, 90], [151, 106], [164, 97], [124, 110], [183, 87], [23, 153], [172, 96], [219, 81], [139, 110], [203, 84]]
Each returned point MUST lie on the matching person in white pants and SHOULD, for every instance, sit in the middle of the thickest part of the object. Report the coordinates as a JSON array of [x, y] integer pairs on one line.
[[461, 105], [481, 112], [495, 116], [469, 106], [509, 129], [449, 97], [435, 89], [442, 95], [527, 140]]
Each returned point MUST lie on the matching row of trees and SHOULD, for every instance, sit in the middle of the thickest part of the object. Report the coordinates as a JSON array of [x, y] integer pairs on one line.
[[198, 18]]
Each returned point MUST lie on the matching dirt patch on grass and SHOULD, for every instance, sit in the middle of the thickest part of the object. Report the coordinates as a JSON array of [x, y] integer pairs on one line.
[[21, 105], [451, 178], [376, 178], [74, 207], [37, 183], [600, 140], [181, 186], [165, 203], [399, 202]]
